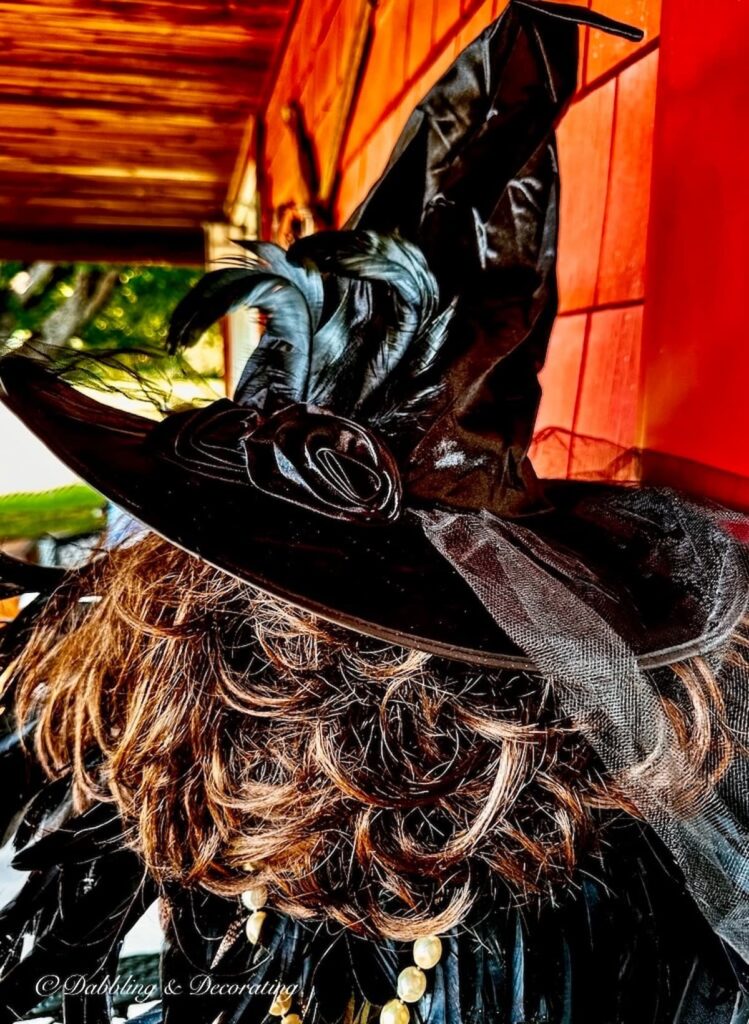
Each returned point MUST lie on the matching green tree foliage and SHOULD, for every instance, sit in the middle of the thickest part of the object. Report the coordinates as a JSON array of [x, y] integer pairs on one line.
[[97, 308], [63, 512], [137, 314], [120, 317]]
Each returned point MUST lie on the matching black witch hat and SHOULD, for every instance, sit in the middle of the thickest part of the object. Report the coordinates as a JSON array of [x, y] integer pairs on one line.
[[398, 373], [372, 466]]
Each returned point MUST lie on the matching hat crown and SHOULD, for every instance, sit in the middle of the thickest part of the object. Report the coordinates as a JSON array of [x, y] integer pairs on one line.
[[428, 318]]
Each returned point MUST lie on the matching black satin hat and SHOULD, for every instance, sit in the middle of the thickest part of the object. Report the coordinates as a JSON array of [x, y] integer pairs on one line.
[[397, 373]]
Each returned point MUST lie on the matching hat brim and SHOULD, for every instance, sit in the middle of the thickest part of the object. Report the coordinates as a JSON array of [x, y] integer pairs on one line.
[[387, 582]]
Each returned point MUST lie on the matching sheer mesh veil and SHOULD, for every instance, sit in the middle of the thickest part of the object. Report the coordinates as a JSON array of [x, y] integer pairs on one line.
[[699, 809]]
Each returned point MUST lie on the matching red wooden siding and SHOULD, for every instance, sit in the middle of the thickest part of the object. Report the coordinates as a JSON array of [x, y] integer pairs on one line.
[[696, 355], [676, 390], [605, 144]]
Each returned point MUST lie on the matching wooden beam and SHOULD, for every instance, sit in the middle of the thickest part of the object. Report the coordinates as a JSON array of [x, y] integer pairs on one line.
[[164, 90], [251, 15], [105, 215], [182, 247], [127, 112]]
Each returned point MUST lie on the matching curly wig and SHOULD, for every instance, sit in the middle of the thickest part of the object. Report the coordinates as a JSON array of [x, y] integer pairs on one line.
[[380, 787]]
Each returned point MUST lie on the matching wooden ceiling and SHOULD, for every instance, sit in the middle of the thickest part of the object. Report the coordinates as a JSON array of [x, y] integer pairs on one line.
[[120, 120]]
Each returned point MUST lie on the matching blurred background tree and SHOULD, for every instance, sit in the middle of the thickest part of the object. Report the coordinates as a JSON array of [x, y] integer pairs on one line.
[[93, 308], [119, 317]]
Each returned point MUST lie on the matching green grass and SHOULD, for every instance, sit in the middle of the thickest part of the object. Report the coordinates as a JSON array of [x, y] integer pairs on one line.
[[63, 512]]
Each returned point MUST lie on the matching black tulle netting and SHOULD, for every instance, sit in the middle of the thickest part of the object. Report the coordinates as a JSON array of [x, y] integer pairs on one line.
[[146, 381], [551, 608]]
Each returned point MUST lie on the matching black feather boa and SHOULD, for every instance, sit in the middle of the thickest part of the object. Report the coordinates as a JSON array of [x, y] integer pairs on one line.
[[624, 946]]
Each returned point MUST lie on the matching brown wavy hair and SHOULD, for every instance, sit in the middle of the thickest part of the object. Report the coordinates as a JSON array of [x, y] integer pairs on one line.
[[241, 738]]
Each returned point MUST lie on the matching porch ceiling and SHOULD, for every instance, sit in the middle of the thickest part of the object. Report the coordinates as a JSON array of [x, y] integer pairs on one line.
[[121, 120]]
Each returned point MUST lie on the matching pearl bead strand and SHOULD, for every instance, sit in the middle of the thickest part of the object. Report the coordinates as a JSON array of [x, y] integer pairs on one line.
[[255, 899], [412, 982]]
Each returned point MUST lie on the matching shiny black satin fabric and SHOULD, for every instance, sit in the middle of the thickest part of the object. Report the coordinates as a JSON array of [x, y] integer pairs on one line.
[[428, 318], [429, 341], [20, 577], [191, 485], [474, 183]]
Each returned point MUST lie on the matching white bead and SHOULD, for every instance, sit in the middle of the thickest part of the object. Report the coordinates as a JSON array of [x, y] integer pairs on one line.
[[281, 1004], [412, 984], [256, 897], [427, 951], [254, 926], [395, 1012]]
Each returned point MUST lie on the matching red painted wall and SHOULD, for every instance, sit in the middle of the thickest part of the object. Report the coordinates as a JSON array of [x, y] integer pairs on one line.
[[696, 343], [639, 357], [589, 413], [414, 42]]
